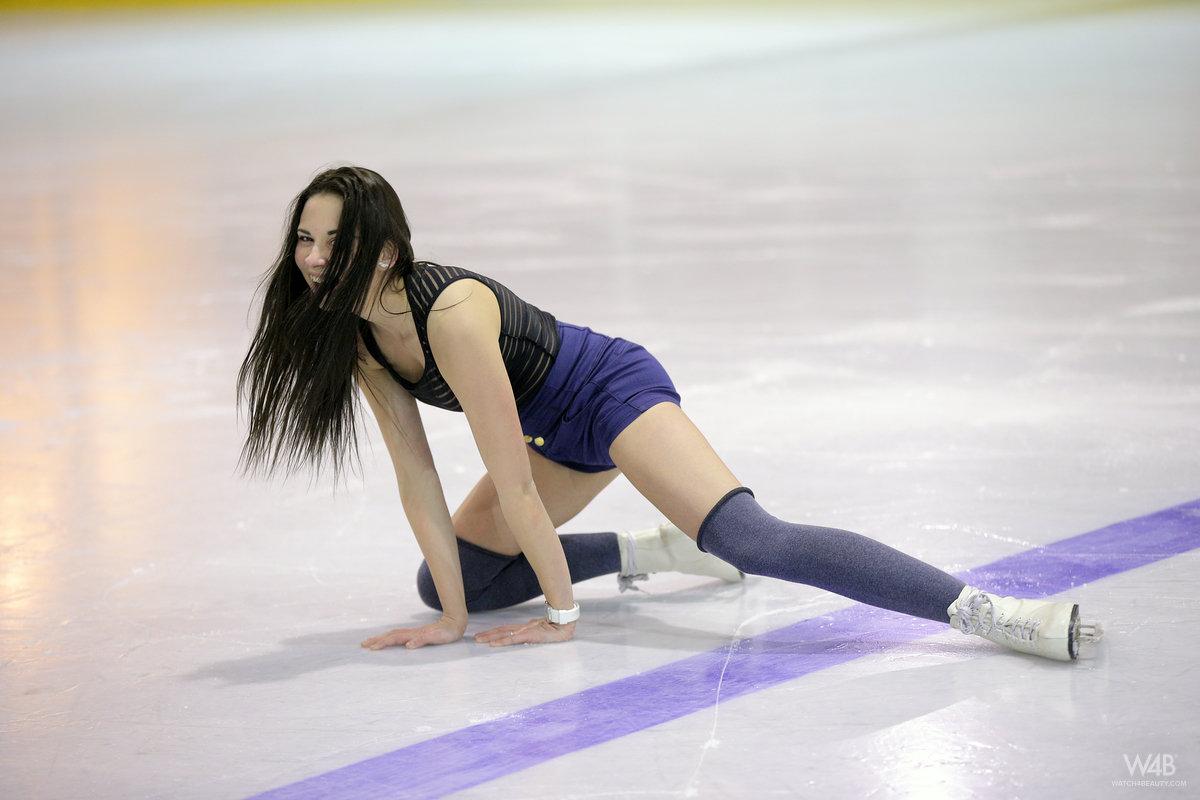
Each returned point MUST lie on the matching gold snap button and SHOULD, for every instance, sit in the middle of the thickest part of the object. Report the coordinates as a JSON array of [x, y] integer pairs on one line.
[[539, 441], [528, 439]]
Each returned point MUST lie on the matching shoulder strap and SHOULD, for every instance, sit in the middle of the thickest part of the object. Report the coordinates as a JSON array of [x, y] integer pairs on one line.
[[425, 285]]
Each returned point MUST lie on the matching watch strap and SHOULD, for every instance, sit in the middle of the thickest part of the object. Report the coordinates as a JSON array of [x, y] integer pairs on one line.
[[560, 617]]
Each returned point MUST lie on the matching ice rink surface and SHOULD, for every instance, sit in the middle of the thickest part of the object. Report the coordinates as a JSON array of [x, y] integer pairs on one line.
[[926, 272]]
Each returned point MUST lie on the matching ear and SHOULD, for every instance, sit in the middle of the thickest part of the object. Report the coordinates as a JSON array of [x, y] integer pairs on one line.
[[388, 255]]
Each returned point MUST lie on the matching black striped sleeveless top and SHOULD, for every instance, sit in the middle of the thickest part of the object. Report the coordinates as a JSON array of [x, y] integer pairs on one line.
[[529, 338]]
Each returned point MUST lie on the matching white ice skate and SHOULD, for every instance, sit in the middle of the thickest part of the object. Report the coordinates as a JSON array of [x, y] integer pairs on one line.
[[1041, 627], [667, 549]]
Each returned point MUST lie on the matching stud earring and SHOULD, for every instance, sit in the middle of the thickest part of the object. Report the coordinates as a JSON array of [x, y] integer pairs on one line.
[[383, 265]]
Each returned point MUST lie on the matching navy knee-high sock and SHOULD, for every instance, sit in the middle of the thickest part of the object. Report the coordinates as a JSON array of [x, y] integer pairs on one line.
[[493, 580], [740, 531]]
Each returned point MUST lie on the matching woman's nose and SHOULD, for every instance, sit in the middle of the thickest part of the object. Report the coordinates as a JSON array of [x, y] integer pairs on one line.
[[314, 257]]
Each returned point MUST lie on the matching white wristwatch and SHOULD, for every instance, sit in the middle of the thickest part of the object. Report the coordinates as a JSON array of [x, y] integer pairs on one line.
[[562, 617]]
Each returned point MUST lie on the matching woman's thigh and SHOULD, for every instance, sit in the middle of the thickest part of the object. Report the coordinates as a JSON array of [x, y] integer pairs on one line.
[[564, 492], [670, 462]]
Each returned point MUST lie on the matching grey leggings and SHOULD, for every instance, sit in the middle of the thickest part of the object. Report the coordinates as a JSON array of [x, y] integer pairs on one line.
[[737, 530]]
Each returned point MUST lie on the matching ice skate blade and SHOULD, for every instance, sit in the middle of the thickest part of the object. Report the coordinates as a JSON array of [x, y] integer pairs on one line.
[[1089, 635], [1084, 637]]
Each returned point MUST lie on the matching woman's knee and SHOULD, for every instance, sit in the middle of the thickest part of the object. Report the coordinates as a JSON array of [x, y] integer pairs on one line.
[[490, 580], [425, 588], [741, 532]]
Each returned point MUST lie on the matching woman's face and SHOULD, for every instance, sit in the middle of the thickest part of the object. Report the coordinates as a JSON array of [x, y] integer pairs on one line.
[[316, 232], [314, 243]]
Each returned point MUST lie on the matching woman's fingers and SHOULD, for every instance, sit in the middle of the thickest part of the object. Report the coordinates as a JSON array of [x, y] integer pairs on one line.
[[430, 634], [513, 634], [522, 635], [390, 639], [535, 632], [501, 632], [412, 638]]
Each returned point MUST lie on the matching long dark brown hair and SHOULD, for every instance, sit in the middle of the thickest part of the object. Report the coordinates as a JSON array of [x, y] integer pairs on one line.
[[298, 376]]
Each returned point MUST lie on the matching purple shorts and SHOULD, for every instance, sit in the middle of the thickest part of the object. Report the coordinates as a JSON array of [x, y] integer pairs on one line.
[[597, 385]]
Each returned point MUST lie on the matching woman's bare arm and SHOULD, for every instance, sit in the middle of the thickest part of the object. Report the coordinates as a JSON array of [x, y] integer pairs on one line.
[[420, 487], [464, 340]]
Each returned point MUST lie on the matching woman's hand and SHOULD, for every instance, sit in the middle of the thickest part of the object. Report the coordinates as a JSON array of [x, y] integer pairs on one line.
[[444, 631], [536, 632]]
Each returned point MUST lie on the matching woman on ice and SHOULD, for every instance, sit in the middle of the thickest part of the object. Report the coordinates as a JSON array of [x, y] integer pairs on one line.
[[557, 412]]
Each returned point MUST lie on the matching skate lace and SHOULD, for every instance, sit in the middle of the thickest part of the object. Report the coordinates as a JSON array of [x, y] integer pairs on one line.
[[625, 582], [979, 616]]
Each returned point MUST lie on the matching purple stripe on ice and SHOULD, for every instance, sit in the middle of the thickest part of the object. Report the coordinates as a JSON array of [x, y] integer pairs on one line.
[[484, 752]]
